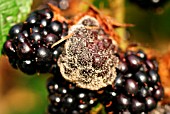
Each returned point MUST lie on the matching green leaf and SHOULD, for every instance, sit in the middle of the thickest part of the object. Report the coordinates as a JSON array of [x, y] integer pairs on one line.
[[101, 3], [12, 12]]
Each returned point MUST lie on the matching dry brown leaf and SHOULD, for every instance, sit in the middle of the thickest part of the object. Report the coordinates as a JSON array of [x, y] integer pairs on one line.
[[107, 23]]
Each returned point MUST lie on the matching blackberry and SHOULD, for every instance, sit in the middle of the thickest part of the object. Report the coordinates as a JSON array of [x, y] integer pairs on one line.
[[35, 29], [27, 66], [67, 98], [51, 39], [123, 102], [149, 4], [35, 38], [134, 62], [9, 49], [88, 58], [20, 38], [131, 86], [137, 106], [44, 32], [47, 14], [29, 43], [43, 59], [150, 103], [32, 19], [136, 89], [25, 33], [15, 30], [141, 77], [25, 51], [55, 27], [56, 52], [44, 23]]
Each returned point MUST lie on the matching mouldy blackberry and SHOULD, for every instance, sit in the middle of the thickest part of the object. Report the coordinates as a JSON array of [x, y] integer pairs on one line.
[[66, 98], [88, 58], [87, 63], [29, 43], [137, 87]]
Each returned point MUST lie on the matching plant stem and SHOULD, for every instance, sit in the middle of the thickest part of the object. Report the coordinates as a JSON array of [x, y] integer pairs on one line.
[[118, 9]]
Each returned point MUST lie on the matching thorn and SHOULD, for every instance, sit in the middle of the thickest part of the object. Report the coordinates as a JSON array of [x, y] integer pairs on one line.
[[61, 40]]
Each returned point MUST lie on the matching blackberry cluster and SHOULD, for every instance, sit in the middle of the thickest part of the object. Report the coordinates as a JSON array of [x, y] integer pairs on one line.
[[136, 90], [87, 70], [66, 98], [29, 43], [149, 4], [137, 87]]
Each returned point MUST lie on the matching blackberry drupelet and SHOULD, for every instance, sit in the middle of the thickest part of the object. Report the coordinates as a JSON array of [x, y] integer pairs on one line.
[[29, 43], [137, 87], [66, 98], [15, 30]]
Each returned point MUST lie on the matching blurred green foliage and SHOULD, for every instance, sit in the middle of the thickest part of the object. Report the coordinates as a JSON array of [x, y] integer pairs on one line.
[[11, 12], [152, 28], [37, 84], [99, 3]]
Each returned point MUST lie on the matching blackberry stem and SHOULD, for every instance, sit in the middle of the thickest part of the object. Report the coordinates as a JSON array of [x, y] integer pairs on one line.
[[118, 8]]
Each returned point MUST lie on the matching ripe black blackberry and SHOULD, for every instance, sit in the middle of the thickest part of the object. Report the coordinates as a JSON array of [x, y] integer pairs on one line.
[[149, 4], [137, 87], [66, 98], [28, 46]]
